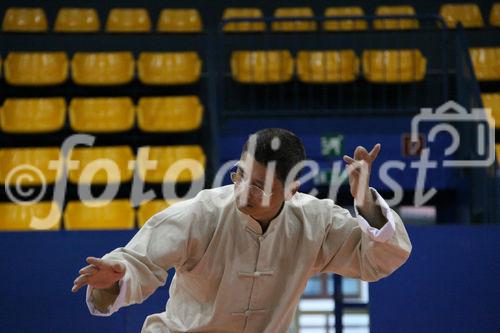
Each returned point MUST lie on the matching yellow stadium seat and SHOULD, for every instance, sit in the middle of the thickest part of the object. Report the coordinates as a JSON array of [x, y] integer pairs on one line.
[[495, 15], [36, 68], [243, 13], [261, 66], [101, 114], [102, 68], [486, 63], [101, 165], [33, 115], [16, 217], [327, 66], [18, 19], [497, 148], [468, 14], [394, 66], [395, 24], [128, 20], [346, 25], [169, 67], [169, 114], [77, 20], [99, 215], [492, 101], [189, 163], [30, 166], [179, 20], [150, 208], [294, 25]]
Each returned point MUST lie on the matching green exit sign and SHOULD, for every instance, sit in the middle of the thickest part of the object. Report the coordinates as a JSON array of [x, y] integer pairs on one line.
[[332, 145]]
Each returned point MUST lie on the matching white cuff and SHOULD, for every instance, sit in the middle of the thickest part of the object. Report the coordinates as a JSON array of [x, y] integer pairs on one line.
[[119, 302], [388, 230]]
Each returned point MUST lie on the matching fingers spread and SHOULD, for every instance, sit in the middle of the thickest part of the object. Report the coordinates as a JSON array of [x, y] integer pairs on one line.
[[374, 152], [81, 278], [95, 261], [348, 159], [90, 269], [360, 153], [77, 287], [79, 282]]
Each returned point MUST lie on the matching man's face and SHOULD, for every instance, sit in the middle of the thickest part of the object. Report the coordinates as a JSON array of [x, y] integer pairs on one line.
[[258, 192]]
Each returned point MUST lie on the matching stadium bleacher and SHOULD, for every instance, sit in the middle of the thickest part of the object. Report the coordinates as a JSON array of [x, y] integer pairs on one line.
[[166, 82]]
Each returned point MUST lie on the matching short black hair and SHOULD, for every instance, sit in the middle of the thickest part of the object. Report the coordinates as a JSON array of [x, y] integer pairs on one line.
[[280, 145]]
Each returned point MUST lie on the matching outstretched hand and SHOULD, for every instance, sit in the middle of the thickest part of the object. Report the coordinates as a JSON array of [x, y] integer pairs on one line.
[[100, 274], [359, 169]]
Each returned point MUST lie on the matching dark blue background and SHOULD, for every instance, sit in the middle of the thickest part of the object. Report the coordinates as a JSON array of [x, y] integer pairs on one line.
[[449, 284]]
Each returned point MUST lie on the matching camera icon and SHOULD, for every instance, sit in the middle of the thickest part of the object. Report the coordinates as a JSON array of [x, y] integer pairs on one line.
[[452, 112]]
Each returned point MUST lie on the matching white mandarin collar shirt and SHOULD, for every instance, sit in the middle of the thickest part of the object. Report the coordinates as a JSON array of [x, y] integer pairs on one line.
[[232, 278]]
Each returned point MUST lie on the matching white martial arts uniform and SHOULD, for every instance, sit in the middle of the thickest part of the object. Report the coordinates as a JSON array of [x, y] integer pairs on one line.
[[232, 278]]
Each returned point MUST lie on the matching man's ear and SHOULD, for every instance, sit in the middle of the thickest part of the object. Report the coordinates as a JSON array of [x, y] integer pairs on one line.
[[291, 189]]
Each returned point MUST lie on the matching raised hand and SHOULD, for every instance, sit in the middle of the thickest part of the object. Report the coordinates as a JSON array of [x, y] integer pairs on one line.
[[100, 274], [359, 169]]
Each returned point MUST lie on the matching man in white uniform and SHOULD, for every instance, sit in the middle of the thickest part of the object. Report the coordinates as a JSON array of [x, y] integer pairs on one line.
[[243, 253]]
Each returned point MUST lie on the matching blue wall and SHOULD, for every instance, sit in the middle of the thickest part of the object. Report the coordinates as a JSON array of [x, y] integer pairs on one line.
[[367, 133], [450, 283], [37, 272]]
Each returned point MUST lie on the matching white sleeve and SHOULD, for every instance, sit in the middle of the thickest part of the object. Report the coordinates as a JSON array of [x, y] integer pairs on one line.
[[353, 248], [176, 237]]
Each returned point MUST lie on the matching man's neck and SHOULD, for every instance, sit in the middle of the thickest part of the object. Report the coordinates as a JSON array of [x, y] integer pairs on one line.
[[264, 222]]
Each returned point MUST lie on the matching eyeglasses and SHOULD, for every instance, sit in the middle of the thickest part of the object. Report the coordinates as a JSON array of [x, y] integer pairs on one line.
[[237, 179]]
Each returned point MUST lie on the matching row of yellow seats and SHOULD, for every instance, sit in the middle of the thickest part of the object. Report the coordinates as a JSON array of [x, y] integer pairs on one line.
[[467, 14], [379, 66], [102, 165], [101, 114], [102, 68], [492, 101], [124, 20], [486, 63], [189, 20], [116, 214], [497, 148]]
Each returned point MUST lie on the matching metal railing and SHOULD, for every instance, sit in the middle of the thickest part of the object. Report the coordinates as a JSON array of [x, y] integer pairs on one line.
[[483, 183], [359, 97]]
